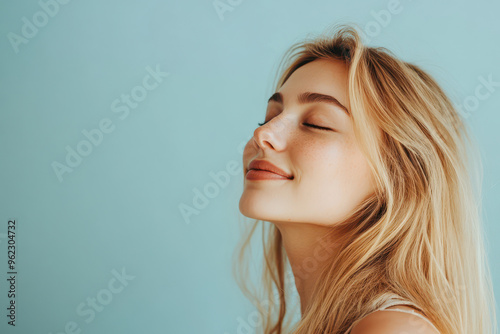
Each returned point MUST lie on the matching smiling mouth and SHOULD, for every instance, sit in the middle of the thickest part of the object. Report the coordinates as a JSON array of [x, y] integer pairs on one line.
[[261, 174], [265, 169]]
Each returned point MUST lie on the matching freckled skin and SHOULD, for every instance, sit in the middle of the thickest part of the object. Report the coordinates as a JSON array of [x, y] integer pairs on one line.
[[331, 176]]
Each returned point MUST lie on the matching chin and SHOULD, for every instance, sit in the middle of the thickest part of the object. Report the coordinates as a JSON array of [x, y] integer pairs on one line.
[[254, 208], [247, 209]]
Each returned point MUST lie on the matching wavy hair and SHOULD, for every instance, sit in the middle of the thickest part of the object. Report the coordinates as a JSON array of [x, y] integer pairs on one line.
[[419, 235]]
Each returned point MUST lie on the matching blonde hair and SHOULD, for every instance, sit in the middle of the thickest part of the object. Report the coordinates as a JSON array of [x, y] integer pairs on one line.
[[419, 235]]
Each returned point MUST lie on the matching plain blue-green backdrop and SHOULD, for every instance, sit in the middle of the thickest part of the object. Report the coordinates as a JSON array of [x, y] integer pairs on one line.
[[104, 247]]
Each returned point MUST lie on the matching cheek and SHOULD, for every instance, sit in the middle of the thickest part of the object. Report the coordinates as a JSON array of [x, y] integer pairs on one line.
[[325, 162], [358, 176], [335, 175]]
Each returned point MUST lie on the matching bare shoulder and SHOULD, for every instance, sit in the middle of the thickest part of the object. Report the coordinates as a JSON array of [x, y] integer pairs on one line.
[[393, 322]]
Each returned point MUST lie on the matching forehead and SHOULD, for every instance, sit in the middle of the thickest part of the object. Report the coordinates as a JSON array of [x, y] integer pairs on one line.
[[319, 76]]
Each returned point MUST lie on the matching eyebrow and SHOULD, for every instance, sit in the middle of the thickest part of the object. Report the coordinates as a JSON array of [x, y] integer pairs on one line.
[[309, 97]]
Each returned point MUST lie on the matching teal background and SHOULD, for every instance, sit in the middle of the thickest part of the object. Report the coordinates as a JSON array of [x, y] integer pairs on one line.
[[119, 208]]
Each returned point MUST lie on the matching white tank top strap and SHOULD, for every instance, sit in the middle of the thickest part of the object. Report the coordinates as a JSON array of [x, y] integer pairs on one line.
[[414, 313], [394, 300]]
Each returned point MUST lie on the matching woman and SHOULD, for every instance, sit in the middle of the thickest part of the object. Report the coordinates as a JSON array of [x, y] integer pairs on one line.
[[360, 178]]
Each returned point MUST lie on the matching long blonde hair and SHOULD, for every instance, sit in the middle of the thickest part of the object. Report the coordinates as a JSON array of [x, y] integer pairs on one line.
[[419, 235]]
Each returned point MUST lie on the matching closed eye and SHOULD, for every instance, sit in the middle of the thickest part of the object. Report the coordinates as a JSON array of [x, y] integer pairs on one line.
[[317, 127], [306, 124]]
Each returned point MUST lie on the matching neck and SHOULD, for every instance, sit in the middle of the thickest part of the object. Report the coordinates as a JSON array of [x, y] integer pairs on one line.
[[309, 248]]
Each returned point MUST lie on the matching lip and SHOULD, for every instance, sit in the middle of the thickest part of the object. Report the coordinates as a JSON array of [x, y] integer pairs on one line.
[[264, 170]]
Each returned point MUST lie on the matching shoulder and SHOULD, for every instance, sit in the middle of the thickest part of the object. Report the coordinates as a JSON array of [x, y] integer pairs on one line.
[[393, 322]]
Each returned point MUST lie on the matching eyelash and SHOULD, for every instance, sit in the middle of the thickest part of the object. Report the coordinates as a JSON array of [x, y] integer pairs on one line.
[[307, 124]]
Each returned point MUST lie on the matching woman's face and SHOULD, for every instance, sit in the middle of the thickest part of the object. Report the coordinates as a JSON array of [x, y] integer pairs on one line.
[[329, 175]]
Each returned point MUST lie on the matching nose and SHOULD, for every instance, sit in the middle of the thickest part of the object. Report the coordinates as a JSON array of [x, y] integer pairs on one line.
[[271, 135]]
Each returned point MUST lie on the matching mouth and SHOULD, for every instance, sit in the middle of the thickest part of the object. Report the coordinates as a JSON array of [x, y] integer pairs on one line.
[[260, 174], [265, 170]]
